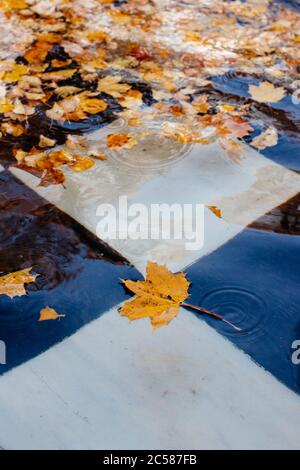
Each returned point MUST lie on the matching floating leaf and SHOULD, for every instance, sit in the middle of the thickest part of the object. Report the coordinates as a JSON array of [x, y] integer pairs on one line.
[[268, 138], [49, 313], [215, 211], [93, 105], [13, 284], [46, 142], [266, 92], [233, 149], [82, 164], [237, 126], [158, 297], [117, 141], [8, 5]]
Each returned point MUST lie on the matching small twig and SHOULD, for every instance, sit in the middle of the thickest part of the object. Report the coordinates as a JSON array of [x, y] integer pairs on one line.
[[212, 314]]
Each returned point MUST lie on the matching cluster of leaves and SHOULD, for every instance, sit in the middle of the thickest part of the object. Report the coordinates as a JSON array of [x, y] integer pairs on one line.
[[77, 58]]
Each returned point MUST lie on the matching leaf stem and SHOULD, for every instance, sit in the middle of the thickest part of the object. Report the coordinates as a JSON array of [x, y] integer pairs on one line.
[[212, 314]]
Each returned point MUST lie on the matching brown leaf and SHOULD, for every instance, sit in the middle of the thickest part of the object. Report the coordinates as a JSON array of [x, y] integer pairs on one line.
[[48, 313], [13, 284], [157, 297]]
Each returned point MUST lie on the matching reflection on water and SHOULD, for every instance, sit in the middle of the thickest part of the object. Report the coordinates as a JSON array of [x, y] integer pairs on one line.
[[253, 281], [71, 264]]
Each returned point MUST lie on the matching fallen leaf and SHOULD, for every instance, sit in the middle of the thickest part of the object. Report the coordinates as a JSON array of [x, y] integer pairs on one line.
[[13, 284], [92, 105], [158, 297], [233, 149], [215, 211], [15, 73], [13, 129], [57, 75], [111, 85], [268, 138], [52, 176], [38, 52], [117, 141], [8, 5], [266, 92], [97, 155], [201, 104], [49, 313], [237, 126], [2, 91], [6, 106], [82, 164], [46, 142]]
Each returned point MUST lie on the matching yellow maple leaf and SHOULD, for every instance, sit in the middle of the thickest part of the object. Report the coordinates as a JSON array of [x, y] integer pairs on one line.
[[112, 86], [158, 297], [233, 149], [49, 313], [266, 92], [215, 210], [82, 164], [13, 284]]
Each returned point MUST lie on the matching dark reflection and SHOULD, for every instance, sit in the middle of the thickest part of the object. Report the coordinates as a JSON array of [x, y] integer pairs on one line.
[[282, 219], [232, 87], [253, 281], [79, 275]]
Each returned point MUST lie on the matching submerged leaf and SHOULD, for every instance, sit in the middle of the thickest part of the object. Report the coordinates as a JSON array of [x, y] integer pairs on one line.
[[13, 284]]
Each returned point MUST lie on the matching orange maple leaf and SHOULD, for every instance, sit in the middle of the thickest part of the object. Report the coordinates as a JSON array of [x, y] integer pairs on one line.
[[158, 297], [13, 284]]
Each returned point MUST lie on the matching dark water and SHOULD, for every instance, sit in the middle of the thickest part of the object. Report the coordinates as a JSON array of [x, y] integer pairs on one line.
[[253, 281], [79, 276]]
